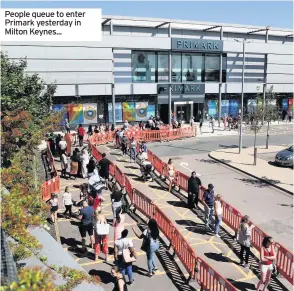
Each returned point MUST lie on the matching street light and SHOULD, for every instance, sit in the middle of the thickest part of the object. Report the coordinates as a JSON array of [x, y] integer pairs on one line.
[[242, 95]]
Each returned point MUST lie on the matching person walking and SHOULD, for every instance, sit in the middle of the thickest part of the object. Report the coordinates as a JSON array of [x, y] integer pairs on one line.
[[120, 283], [74, 164], [91, 168], [133, 145], [267, 258], [119, 245], [194, 184], [86, 225], [218, 208], [81, 133], [54, 206], [116, 199], [290, 115], [208, 199], [212, 124], [151, 241], [200, 126], [85, 158], [104, 164], [244, 238], [62, 145], [119, 223], [126, 125], [67, 201], [67, 126], [101, 240], [64, 165], [90, 130], [124, 144], [171, 173]]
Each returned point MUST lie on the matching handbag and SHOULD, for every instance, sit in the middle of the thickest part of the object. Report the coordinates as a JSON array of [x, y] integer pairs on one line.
[[146, 243], [127, 257], [102, 228]]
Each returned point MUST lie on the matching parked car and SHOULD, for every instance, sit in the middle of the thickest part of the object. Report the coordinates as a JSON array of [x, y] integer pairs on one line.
[[285, 157]]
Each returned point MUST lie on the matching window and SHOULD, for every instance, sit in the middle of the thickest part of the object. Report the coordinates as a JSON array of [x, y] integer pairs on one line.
[[212, 67], [162, 70], [143, 67], [192, 67], [176, 64]]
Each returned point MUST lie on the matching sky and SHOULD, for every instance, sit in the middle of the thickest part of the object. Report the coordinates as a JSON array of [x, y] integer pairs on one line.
[[261, 13]]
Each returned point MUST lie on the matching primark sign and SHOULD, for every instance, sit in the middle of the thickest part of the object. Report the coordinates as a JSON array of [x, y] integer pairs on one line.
[[181, 89], [198, 45]]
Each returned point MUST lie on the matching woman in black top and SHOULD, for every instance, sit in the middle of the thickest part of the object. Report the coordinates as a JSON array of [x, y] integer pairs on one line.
[[90, 130], [120, 284]]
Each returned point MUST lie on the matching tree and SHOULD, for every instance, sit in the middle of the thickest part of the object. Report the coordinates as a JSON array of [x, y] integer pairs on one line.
[[271, 111], [255, 117], [25, 108]]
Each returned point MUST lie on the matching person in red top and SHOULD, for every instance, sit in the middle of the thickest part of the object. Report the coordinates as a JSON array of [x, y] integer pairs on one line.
[[267, 258], [81, 133]]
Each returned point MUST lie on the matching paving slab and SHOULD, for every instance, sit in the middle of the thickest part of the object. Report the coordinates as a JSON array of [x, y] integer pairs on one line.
[[267, 171]]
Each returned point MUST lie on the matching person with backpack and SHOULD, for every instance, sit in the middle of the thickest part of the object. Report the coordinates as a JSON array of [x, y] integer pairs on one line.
[[244, 238], [150, 244]]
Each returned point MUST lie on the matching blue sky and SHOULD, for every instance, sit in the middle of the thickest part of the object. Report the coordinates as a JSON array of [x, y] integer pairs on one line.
[[271, 13]]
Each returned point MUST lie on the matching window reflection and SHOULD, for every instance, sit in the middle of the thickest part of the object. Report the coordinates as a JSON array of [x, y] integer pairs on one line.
[[176, 64], [192, 67], [143, 67], [212, 68], [162, 67]]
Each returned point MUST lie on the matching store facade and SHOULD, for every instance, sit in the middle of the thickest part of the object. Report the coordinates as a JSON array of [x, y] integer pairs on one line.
[[138, 60]]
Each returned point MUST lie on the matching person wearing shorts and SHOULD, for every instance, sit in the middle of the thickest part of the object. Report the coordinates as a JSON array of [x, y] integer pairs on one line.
[[86, 226]]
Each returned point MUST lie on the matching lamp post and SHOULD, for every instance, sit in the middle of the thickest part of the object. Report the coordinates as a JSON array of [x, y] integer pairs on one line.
[[242, 96]]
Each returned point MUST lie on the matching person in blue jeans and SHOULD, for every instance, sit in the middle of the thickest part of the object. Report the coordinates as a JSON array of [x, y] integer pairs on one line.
[[218, 209], [133, 153], [151, 235], [119, 245], [208, 199]]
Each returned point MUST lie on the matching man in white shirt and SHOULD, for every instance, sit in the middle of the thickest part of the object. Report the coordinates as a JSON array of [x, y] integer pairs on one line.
[[67, 201], [62, 144]]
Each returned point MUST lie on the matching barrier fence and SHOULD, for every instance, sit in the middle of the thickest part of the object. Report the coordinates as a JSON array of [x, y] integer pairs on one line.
[[181, 247], [50, 186], [51, 160]]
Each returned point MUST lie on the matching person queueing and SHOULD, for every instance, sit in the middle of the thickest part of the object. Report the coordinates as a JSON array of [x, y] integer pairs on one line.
[[244, 238], [119, 245], [120, 283], [90, 130], [124, 145], [218, 208], [104, 164], [81, 133], [86, 225], [267, 258], [85, 158], [116, 200], [171, 173], [64, 165], [67, 201], [133, 145], [101, 241], [151, 237], [74, 164], [62, 145], [54, 206], [194, 185], [91, 168], [208, 199]]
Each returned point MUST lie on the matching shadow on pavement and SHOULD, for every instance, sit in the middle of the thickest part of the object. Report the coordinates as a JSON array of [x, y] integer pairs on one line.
[[217, 257], [254, 182], [242, 285], [105, 277], [181, 204], [155, 187], [71, 242]]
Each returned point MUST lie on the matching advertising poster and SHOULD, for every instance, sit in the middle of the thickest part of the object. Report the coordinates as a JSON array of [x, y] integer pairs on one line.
[[234, 108], [75, 113], [285, 104], [59, 108], [90, 113], [212, 106], [141, 111], [251, 105], [150, 110], [118, 112], [225, 107], [129, 111], [290, 104]]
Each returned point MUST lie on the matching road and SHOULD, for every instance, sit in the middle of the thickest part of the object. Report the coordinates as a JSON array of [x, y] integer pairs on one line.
[[269, 208]]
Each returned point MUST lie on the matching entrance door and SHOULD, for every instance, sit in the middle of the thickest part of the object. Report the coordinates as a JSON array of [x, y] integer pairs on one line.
[[183, 112]]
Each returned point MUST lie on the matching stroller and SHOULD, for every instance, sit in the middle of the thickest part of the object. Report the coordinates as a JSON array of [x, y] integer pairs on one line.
[[146, 169]]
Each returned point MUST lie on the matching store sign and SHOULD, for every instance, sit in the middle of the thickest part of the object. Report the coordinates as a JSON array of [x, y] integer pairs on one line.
[[181, 89], [198, 45]]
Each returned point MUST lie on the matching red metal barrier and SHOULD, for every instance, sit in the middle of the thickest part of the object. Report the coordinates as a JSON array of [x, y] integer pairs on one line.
[[231, 216], [182, 181], [69, 139], [210, 280], [284, 262], [143, 204], [164, 223], [158, 164], [257, 236], [150, 156], [50, 186], [185, 252], [111, 169], [95, 153], [119, 176], [129, 188]]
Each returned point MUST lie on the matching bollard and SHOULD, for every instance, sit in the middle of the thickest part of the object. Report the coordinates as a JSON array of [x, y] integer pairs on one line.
[[255, 156]]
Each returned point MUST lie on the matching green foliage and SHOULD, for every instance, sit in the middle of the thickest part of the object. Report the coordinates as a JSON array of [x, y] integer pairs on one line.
[[19, 252]]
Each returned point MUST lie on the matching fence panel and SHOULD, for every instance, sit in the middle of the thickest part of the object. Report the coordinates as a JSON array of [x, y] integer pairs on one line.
[[182, 181], [143, 204], [129, 188], [119, 176], [184, 251], [164, 223], [284, 262], [231, 216], [50, 186], [257, 236], [111, 169], [158, 164], [210, 280]]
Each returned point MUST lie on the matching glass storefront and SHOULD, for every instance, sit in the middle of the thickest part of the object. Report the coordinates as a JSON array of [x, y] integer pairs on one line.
[[152, 67]]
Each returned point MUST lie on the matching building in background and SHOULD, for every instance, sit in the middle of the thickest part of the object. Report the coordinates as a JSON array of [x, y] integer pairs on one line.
[[131, 64]]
